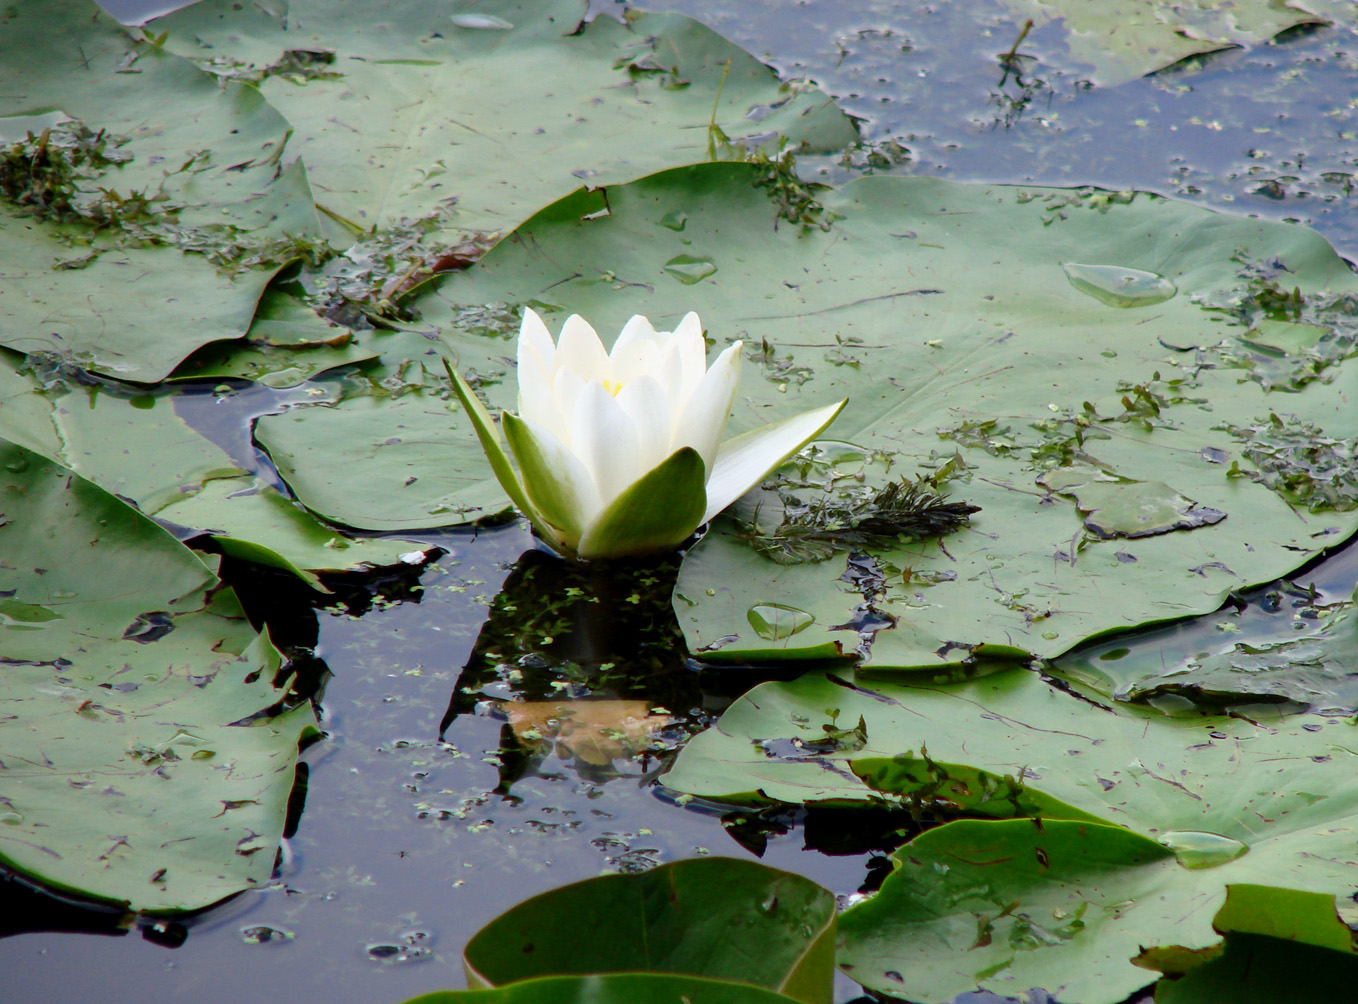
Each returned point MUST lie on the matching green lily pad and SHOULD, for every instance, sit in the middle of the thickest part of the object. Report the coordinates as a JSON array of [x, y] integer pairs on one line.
[[718, 918], [1261, 970], [1122, 507], [985, 369], [136, 702], [90, 301], [451, 124], [286, 345], [187, 185], [1094, 760], [1006, 905], [1239, 801], [1310, 657], [141, 449], [611, 988], [1225, 802], [254, 522], [1121, 40], [383, 463]]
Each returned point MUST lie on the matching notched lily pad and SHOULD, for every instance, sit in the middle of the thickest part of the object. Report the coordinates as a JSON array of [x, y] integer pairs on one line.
[[511, 141], [716, 917], [136, 703], [1122, 507], [1024, 373]]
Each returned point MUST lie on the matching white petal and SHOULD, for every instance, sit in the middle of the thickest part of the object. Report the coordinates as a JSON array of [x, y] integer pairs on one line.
[[668, 375], [743, 461], [557, 483], [641, 358], [704, 416], [691, 351], [603, 437], [533, 332], [646, 405], [579, 349], [637, 329], [566, 389], [536, 402]]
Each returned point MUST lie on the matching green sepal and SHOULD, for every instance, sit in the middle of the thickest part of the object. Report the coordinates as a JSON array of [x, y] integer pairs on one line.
[[542, 482], [495, 453], [656, 513]]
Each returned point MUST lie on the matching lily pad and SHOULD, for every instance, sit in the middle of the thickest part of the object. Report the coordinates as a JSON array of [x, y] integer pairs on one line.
[[255, 522], [286, 345], [1259, 801], [141, 449], [1260, 970], [1067, 906], [136, 704], [1121, 40], [1122, 507], [383, 463], [982, 369], [1289, 644], [185, 186], [451, 124], [718, 918], [612, 988], [89, 300]]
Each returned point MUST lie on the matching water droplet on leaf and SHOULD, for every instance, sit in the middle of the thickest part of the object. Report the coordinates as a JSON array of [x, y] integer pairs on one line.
[[689, 269], [482, 22], [1200, 849], [674, 220], [1118, 286], [775, 621]]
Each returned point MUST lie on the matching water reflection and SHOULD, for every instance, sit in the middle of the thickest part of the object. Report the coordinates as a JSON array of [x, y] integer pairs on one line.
[[585, 663]]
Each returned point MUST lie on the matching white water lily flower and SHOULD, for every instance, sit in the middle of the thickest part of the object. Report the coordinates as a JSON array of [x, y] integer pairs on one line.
[[620, 452]]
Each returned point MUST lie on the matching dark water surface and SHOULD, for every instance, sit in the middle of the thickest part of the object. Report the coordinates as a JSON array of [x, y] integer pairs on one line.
[[410, 841]]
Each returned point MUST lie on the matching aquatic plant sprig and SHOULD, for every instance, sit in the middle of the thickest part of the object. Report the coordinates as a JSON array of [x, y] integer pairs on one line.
[[813, 531], [619, 452]]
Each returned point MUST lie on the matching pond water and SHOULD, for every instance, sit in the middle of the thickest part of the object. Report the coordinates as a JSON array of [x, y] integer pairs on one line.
[[424, 818]]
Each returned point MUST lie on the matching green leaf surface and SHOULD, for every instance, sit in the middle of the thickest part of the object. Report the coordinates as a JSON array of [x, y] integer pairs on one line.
[[286, 345], [1299, 647], [142, 449], [72, 58], [612, 988], [1260, 970], [255, 522], [451, 123], [1067, 906], [1007, 906], [718, 918], [142, 756], [127, 312], [378, 463], [204, 156], [1260, 800], [1120, 40], [955, 352]]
